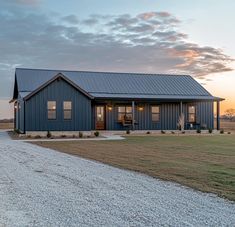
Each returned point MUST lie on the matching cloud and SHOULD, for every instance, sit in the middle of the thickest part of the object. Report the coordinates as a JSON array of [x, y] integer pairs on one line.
[[25, 2], [72, 19], [148, 42]]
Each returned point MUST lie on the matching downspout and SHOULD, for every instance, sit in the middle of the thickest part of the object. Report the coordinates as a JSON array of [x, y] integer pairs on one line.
[[24, 117], [218, 115], [133, 115]]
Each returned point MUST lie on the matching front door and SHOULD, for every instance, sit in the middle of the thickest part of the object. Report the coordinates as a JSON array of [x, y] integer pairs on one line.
[[100, 117]]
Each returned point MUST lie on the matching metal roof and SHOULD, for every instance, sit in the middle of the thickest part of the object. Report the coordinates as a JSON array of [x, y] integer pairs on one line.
[[115, 85]]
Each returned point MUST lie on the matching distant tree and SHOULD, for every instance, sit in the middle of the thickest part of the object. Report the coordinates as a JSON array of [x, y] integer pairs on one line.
[[230, 114]]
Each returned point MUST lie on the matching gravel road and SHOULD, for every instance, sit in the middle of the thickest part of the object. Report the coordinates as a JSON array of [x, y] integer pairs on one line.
[[42, 187]]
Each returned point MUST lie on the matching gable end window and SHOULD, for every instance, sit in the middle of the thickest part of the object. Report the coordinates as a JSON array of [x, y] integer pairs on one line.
[[192, 114], [155, 110], [51, 110], [67, 107]]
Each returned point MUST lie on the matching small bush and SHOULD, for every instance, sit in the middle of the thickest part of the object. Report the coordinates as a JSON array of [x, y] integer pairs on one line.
[[128, 131], [48, 134], [80, 134], [148, 132], [229, 132], [17, 131], [183, 132], [172, 132], [96, 133], [74, 136], [37, 137], [199, 130], [63, 136], [163, 132], [210, 130], [221, 131]]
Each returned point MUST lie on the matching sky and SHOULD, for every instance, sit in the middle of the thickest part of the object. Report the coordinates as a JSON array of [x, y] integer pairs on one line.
[[150, 36]]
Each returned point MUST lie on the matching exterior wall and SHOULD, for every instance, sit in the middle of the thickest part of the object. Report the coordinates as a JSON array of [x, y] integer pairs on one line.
[[59, 91], [19, 116], [169, 115]]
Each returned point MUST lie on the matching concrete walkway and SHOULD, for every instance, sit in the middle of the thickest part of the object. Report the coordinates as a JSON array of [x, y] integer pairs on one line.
[[4, 135]]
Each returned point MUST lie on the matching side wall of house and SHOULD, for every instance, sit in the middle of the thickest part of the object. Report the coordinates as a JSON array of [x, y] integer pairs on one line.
[[169, 115], [36, 118], [19, 115]]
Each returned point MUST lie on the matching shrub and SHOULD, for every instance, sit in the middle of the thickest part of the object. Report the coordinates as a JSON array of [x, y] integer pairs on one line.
[[128, 131], [63, 136], [163, 132], [221, 131], [210, 130], [37, 137], [96, 133], [229, 132], [48, 134], [172, 132], [17, 131], [198, 130], [183, 132], [148, 132], [80, 134], [74, 136]]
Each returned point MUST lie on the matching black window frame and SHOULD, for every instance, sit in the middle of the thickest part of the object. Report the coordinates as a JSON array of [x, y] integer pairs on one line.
[[67, 110], [51, 110], [124, 113], [155, 113], [192, 114]]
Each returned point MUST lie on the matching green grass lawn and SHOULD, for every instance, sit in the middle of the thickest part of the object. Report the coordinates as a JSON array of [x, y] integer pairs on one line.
[[202, 162]]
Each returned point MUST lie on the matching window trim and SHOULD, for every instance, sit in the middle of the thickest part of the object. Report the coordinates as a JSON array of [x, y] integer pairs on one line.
[[55, 110], [157, 113], [194, 114], [125, 113], [64, 110]]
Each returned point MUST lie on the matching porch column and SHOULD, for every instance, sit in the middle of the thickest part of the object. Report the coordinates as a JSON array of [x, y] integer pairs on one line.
[[181, 108], [181, 119], [133, 115], [218, 115]]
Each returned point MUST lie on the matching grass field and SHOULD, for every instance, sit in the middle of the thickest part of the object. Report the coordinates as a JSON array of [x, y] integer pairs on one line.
[[206, 163], [6, 125], [228, 125]]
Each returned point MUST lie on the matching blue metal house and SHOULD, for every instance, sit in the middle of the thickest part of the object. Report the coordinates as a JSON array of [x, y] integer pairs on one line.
[[55, 100]]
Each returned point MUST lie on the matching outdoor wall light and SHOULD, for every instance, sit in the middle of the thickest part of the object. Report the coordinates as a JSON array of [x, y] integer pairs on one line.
[[141, 108], [110, 108]]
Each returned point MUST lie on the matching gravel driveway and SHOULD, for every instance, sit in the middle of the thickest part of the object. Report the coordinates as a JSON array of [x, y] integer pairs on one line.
[[42, 187]]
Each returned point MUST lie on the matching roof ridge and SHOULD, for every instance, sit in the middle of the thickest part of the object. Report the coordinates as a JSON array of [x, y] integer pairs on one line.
[[107, 72]]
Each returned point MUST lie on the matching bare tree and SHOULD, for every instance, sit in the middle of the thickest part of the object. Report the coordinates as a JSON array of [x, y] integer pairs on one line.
[[230, 114], [181, 122]]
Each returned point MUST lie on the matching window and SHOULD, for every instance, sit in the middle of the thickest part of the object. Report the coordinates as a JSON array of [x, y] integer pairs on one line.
[[51, 110], [124, 113], [191, 114], [67, 107], [155, 113]]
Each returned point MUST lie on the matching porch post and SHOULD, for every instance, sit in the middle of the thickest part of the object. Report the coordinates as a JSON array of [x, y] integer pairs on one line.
[[133, 115], [181, 108], [218, 115]]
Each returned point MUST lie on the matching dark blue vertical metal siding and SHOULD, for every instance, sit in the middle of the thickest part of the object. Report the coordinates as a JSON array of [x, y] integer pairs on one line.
[[20, 115], [59, 91], [169, 116]]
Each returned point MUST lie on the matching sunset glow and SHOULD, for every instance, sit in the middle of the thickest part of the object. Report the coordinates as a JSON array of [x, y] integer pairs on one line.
[[185, 37]]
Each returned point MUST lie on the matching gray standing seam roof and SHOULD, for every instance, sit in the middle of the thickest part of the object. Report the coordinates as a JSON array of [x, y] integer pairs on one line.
[[115, 85]]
